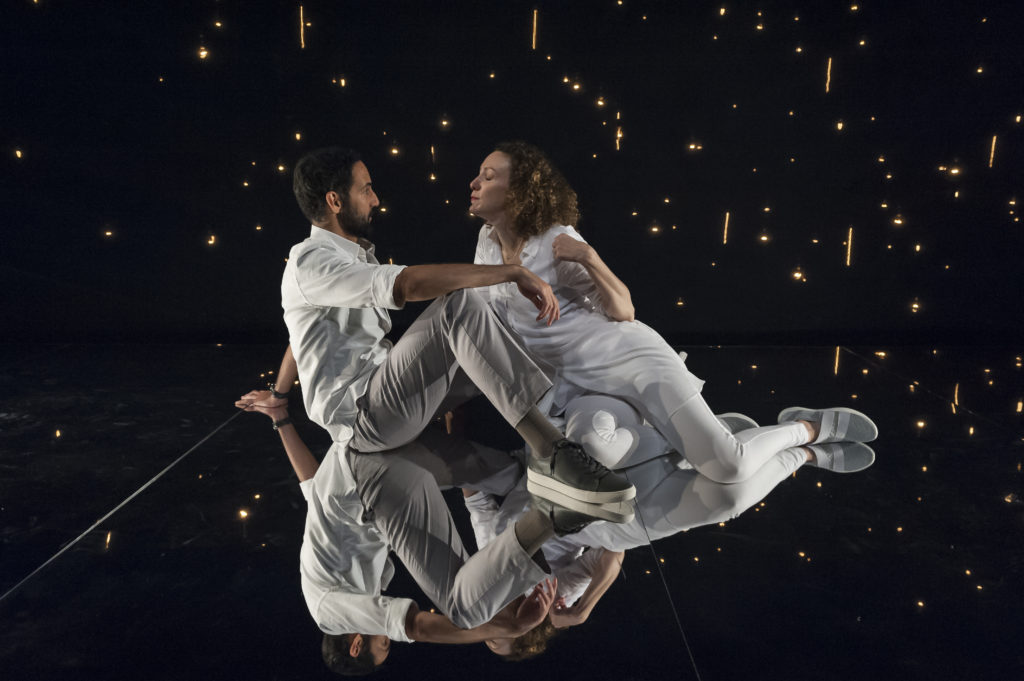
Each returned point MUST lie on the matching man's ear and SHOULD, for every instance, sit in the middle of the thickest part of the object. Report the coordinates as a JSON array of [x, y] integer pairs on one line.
[[333, 200], [355, 645]]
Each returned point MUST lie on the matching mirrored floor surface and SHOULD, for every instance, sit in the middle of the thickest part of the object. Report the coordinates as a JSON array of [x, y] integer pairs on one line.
[[910, 569]]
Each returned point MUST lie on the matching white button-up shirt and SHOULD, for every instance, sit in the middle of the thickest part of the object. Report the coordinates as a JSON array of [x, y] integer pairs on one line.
[[334, 294], [344, 560]]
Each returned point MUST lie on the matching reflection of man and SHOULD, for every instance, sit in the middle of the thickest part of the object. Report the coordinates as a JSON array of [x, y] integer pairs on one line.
[[371, 397]]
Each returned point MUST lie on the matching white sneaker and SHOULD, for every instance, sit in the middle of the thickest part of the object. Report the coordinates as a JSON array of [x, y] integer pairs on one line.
[[838, 424]]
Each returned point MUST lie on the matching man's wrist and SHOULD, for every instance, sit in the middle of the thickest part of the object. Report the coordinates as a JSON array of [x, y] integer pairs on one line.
[[275, 394]]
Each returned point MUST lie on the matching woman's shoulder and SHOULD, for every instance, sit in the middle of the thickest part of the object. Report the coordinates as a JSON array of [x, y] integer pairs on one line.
[[556, 230]]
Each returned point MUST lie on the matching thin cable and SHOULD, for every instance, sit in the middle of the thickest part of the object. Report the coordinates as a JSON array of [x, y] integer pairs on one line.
[[668, 593], [117, 508]]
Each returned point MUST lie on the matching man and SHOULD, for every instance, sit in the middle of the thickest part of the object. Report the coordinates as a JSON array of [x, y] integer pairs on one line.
[[373, 397]]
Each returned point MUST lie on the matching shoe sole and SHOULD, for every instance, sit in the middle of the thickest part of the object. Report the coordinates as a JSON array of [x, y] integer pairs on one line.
[[539, 480], [863, 455], [860, 429], [619, 512], [736, 422]]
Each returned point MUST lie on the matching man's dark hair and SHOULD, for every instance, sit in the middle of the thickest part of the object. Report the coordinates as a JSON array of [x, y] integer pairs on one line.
[[335, 650], [319, 172]]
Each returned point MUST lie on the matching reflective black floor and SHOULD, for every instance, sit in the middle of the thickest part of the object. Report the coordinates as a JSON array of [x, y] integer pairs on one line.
[[912, 568]]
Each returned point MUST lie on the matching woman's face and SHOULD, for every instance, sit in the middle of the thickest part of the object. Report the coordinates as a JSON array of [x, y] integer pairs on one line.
[[488, 189]]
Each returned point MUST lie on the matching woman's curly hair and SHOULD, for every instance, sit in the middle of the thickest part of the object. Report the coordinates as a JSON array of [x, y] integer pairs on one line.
[[532, 643], [538, 195]]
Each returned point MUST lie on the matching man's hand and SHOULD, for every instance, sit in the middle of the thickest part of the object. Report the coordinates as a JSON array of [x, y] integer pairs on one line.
[[538, 292], [566, 248], [535, 607], [564, 616], [265, 403]]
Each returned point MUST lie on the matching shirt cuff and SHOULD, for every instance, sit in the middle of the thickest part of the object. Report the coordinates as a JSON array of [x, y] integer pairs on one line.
[[382, 287]]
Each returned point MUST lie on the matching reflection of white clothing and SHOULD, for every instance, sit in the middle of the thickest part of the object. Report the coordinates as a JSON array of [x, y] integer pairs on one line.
[[668, 499], [362, 505], [628, 360]]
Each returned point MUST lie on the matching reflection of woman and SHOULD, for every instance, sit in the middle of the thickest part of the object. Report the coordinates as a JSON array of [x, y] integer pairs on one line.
[[596, 346]]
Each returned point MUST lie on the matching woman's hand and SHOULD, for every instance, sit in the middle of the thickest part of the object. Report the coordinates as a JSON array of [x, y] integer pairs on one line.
[[571, 250], [535, 607], [564, 616]]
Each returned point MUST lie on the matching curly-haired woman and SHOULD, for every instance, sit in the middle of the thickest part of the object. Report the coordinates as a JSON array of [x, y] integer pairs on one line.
[[597, 346]]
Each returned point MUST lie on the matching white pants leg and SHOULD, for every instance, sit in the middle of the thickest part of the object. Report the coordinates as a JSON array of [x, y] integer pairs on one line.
[[457, 331], [670, 500], [407, 507], [718, 454]]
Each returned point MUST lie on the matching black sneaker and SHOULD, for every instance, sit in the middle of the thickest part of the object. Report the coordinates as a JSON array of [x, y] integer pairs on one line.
[[572, 516], [572, 473]]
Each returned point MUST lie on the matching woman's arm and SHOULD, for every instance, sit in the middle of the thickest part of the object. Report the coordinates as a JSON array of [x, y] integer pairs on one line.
[[512, 621], [605, 572], [615, 298]]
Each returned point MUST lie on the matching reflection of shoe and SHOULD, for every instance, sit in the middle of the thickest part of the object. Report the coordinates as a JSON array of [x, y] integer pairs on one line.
[[569, 515], [842, 457], [736, 422], [571, 472], [838, 424]]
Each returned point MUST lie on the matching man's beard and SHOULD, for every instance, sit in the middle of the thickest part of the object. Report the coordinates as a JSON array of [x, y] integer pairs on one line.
[[354, 224]]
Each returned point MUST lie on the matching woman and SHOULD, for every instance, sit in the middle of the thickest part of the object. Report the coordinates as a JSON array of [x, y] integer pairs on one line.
[[596, 346]]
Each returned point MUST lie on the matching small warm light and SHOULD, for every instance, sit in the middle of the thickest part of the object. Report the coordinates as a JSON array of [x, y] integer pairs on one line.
[[798, 275], [655, 229], [668, 200], [899, 529], [203, 53], [954, 171], [921, 424], [108, 233], [970, 431], [696, 559], [721, 12], [760, 27], [1020, 406], [881, 354], [981, 69], [897, 221], [854, 8], [767, 209], [920, 604], [862, 42], [662, 560], [383, 209], [763, 237], [245, 183], [212, 240], [801, 554], [679, 302], [342, 82], [218, 24], [924, 469], [819, 485], [433, 177], [280, 168], [576, 86], [259, 228], [106, 544], [917, 248], [839, 125], [298, 136], [394, 151], [799, 49], [600, 101], [243, 514], [17, 153], [57, 434]]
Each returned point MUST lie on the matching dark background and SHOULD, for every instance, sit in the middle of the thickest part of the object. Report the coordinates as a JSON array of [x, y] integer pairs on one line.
[[122, 127]]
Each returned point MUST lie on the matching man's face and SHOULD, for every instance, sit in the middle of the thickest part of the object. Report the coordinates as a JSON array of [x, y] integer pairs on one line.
[[488, 189], [357, 209], [380, 646]]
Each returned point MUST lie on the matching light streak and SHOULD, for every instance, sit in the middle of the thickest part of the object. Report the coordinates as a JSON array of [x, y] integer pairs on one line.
[[302, 28], [828, 76], [956, 394], [849, 245], [533, 42], [835, 369], [992, 152], [725, 229]]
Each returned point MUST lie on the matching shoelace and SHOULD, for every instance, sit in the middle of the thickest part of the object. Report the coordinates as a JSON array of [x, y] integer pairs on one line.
[[592, 465]]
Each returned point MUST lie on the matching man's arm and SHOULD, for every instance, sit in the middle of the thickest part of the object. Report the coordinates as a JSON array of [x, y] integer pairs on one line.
[[605, 572], [510, 622], [615, 298], [425, 282]]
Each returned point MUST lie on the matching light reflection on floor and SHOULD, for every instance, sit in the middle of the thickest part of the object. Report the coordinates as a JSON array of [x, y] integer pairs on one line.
[[912, 567]]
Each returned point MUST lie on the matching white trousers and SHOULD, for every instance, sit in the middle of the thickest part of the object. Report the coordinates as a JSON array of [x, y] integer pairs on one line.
[[613, 433], [401, 492], [456, 332]]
